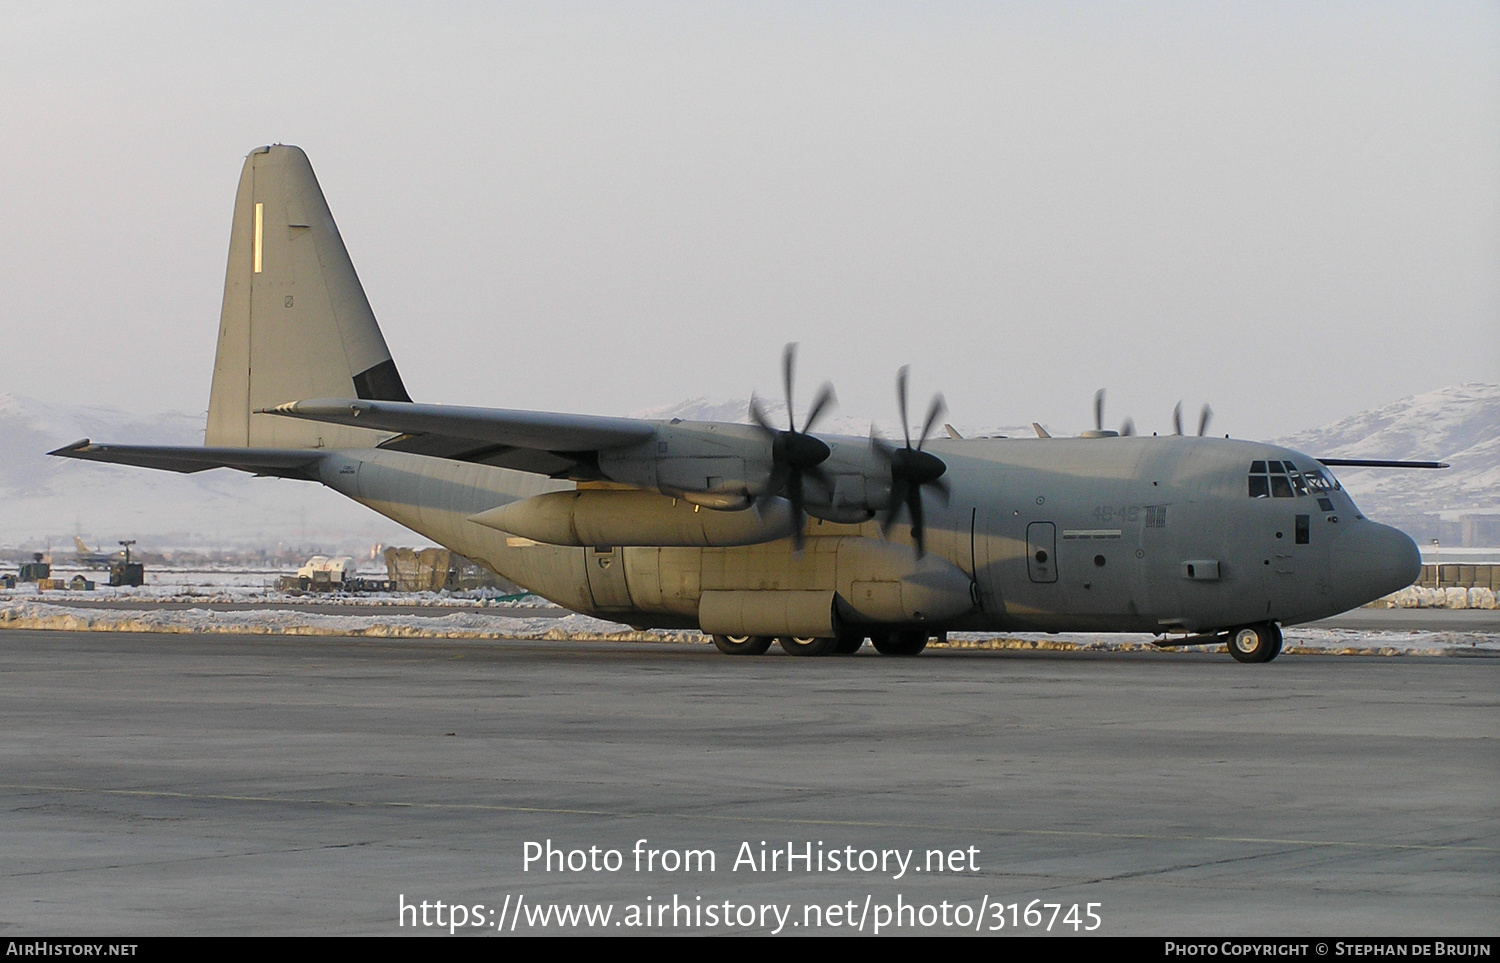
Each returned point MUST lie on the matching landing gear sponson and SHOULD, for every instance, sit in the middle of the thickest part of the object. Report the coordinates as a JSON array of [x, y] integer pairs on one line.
[[847, 642]]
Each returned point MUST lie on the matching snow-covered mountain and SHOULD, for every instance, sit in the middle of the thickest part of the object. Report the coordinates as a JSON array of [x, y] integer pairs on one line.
[[1459, 425], [43, 498]]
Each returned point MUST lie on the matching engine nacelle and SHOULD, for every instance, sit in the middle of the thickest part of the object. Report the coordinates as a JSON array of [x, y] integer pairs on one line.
[[732, 464], [702, 457]]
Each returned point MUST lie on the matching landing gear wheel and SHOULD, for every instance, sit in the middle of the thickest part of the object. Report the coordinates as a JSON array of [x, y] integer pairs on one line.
[[1255, 643], [807, 646], [743, 644], [900, 642], [848, 642], [1275, 641]]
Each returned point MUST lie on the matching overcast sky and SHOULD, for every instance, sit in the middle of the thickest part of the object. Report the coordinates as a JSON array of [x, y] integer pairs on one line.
[[1289, 210]]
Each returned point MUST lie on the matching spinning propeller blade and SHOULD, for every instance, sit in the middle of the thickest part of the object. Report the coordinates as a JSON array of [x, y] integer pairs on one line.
[[912, 469], [795, 455]]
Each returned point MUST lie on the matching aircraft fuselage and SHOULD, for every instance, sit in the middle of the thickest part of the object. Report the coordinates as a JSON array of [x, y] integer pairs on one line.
[[1144, 534]]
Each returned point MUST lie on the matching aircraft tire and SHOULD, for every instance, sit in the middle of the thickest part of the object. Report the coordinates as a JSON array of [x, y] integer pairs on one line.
[[900, 642], [1260, 642], [796, 645], [742, 644], [848, 642]]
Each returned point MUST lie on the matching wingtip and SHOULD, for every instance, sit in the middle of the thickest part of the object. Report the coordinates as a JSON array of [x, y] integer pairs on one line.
[[66, 450]]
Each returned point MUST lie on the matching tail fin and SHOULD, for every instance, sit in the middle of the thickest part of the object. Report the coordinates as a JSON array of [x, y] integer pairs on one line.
[[82, 548], [295, 323]]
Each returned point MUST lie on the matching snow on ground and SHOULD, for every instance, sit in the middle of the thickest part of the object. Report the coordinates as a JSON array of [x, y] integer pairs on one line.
[[516, 624], [238, 585], [509, 624]]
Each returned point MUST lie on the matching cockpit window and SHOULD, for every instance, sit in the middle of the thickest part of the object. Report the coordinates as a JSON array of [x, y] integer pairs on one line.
[[1321, 480], [1283, 479]]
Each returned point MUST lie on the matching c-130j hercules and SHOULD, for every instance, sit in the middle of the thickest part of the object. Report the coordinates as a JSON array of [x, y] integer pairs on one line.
[[754, 532]]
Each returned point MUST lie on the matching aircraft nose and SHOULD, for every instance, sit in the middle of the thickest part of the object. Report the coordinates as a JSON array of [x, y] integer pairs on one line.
[[1371, 561]]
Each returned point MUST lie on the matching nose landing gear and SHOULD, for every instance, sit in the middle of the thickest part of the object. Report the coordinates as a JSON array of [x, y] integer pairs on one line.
[[1260, 642]]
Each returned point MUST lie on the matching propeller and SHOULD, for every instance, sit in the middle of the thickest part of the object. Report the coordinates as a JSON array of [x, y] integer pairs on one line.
[[912, 469], [795, 455], [1203, 418], [1126, 429]]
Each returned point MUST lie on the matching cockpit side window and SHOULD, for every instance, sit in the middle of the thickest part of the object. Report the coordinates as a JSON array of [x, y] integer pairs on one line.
[[1321, 480]]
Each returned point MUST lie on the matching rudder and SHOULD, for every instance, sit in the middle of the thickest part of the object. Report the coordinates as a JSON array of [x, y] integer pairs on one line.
[[295, 323]]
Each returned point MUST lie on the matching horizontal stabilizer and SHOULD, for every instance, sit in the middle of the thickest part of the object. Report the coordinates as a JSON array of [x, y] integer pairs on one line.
[[1380, 463], [278, 462], [537, 430]]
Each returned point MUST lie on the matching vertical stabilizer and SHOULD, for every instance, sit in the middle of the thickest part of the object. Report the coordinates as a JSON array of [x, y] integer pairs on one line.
[[295, 323]]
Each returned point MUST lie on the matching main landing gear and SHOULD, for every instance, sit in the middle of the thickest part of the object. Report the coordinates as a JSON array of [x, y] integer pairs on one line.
[[743, 644], [847, 642], [1260, 642], [793, 645], [900, 642]]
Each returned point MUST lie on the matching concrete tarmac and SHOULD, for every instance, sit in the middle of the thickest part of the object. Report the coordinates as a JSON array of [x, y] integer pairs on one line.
[[177, 784]]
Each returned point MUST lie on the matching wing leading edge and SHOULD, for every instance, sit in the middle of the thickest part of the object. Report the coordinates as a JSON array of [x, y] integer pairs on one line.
[[548, 443], [277, 462]]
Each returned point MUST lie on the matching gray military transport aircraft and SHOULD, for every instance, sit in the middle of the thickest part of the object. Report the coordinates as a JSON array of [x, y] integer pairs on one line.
[[758, 532]]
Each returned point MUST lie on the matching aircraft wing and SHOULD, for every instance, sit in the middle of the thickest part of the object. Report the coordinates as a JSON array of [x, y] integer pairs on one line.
[[278, 462], [559, 445]]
